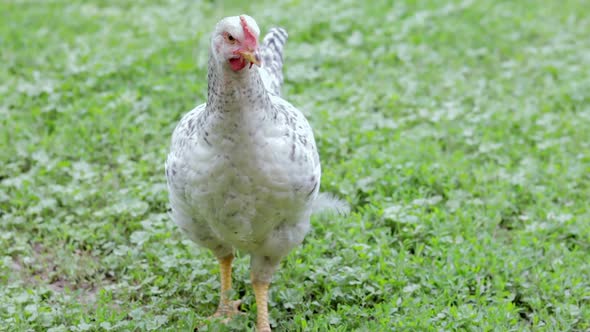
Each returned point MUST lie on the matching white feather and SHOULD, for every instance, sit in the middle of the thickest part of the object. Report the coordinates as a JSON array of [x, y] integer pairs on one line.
[[328, 203]]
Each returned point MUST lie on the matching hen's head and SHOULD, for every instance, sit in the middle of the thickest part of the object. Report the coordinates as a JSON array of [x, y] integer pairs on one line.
[[235, 42]]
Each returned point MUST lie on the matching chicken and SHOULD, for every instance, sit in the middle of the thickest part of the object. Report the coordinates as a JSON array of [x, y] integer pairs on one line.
[[243, 170]]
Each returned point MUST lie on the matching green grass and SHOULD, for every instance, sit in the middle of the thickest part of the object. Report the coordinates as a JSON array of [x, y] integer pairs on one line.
[[458, 131]]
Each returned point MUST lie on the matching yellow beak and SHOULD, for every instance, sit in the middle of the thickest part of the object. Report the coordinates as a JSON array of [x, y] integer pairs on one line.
[[252, 57]]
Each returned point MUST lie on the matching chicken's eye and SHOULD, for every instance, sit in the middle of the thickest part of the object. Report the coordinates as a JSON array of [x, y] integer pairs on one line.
[[230, 38]]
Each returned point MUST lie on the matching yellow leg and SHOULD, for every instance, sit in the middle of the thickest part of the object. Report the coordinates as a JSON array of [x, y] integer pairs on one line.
[[225, 271], [261, 293], [226, 307]]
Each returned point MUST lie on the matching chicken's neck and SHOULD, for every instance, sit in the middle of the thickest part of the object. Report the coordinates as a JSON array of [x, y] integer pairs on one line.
[[236, 92]]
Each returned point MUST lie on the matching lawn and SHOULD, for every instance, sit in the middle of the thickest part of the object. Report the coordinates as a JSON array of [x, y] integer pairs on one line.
[[458, 131]]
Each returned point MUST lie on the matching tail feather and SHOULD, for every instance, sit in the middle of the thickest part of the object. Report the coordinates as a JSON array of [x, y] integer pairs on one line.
[[329, 203], [272, 59]]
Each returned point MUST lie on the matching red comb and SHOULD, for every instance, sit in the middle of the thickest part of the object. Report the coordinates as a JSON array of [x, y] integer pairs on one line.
[[249, 37]]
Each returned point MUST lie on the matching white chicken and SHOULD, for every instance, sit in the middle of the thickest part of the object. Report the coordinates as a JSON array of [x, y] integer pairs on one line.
[[243, 170]]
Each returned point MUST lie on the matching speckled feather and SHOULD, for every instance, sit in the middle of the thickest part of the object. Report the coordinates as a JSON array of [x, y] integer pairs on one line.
[[243, 171], [272, 59]]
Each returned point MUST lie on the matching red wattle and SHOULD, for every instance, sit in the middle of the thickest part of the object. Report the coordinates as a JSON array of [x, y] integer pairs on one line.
[[237, 64]]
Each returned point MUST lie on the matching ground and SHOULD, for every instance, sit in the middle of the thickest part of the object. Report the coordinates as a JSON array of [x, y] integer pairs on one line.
[[459, 131]]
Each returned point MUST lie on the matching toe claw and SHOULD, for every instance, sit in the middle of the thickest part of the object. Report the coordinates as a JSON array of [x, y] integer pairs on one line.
[[228, 310]]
